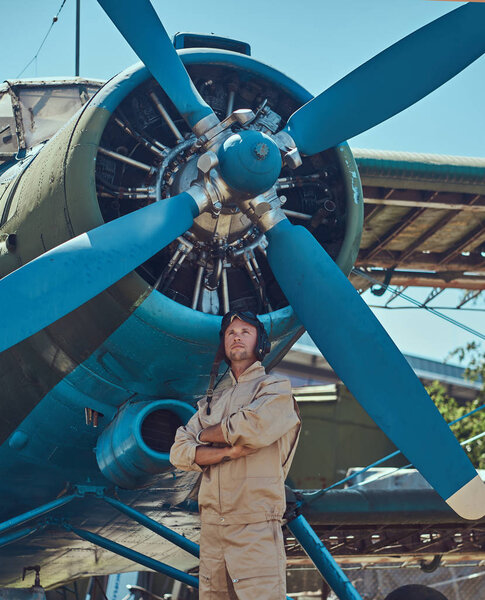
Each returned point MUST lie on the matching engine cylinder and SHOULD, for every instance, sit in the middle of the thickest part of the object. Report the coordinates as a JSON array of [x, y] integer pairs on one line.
[[136, 444]]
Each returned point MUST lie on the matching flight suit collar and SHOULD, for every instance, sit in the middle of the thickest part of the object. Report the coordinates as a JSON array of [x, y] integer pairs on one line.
[[252, 372]]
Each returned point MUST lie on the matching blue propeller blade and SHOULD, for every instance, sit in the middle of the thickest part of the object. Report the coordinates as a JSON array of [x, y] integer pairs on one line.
[[371, 366], [391, 81], [139, 24], [57, 282]]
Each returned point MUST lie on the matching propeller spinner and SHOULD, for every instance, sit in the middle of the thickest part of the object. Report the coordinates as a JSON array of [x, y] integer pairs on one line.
[[241, 168]]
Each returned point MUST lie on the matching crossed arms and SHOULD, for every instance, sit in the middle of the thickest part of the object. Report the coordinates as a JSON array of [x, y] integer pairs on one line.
[[212, 455], [267, 418]]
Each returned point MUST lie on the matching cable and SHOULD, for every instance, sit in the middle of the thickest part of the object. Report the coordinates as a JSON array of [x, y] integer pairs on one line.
[[419, 304], [409, 465], [54, 20], [389, 456], [481, 310]]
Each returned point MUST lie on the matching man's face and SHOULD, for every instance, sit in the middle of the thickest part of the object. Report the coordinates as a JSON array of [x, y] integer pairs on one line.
[[240, 341]]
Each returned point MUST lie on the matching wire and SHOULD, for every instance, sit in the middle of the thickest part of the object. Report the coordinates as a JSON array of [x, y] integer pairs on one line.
[[435, 308], [419, 304], [409, 465], [389, 456], [54, 20]]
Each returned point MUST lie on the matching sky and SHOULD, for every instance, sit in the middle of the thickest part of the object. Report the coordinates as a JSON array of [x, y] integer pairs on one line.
[[316, 42]]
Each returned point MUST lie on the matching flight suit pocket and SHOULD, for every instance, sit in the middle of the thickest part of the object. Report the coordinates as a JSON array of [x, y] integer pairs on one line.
[[213, 583], [269, 587]]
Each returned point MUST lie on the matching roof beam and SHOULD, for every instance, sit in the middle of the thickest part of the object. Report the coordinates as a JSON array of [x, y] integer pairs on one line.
[[413, 214], [431, 279], [464, 243], [427, 204]]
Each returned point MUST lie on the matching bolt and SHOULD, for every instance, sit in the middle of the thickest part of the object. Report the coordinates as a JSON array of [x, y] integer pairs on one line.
[[207, 161], [261, 150]]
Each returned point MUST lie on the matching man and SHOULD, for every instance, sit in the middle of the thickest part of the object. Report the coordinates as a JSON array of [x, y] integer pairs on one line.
[[243, 439]]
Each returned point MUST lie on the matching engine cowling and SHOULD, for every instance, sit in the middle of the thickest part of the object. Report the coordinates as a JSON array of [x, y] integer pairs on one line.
[[136, 444]]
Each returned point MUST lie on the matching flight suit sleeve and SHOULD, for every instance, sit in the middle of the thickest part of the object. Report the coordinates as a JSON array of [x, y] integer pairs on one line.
[[266, 419], [182, 452]]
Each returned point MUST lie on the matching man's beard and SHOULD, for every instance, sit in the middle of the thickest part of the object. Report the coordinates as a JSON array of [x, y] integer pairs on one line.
[[239, 354]]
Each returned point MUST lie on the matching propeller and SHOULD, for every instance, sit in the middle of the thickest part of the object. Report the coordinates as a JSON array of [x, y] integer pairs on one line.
[[139, 24], [366, 359], [391, 81], [324, 300], [48, 287]]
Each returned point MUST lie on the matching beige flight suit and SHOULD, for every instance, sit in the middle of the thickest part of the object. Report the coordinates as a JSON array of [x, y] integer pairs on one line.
[[242, 501]]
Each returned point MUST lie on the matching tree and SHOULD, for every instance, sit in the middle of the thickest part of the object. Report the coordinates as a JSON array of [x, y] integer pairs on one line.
[[473, 356]]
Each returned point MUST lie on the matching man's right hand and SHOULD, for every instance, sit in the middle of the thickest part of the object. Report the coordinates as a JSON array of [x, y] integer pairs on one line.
[[213, 455]]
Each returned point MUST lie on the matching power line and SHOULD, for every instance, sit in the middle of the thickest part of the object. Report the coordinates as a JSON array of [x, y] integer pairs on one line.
[[419, 304], [54, 20]]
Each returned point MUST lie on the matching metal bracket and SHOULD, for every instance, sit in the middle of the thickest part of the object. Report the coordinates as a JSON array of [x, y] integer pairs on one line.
[[243, 116], [264, 210], [90, 490]]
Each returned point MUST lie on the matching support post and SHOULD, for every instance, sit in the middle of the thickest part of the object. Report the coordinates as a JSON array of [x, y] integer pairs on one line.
[[36, 512], [137, 557], [161, 530], [322, 559]]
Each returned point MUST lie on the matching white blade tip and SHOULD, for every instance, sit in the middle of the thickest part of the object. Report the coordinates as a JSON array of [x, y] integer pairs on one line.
[[469, 501]]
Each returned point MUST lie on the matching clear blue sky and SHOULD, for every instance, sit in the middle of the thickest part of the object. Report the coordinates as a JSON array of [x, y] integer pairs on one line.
[[316, 42]]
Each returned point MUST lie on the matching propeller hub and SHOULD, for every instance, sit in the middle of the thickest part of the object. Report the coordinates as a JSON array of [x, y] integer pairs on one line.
[[249, 161], [261, 151]]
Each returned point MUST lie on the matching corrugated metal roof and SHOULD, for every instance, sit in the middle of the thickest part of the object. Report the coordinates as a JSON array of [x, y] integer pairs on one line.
[[424, 219]]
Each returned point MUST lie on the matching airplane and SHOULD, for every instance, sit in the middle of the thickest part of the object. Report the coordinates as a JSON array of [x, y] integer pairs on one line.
[[178, 191]]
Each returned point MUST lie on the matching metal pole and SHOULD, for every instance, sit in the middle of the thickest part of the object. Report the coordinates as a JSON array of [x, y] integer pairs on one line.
[[141, 559], [18, 535], [36, 512], [78, 14], [322, 559], [165, 532]]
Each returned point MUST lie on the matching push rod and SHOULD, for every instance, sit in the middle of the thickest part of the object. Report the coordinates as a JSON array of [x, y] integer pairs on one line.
[[161, 530], [322, 559], [17, 535], [36, 512], [136, 557]]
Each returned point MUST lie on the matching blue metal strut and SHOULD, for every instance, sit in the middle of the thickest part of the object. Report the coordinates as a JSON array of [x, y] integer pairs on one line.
[[17, 535], [36, 512], [136, 557], [322, 559], [161, 530]]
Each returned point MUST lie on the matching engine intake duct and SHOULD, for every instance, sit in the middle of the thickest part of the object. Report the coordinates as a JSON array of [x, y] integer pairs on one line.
[[136, 444]]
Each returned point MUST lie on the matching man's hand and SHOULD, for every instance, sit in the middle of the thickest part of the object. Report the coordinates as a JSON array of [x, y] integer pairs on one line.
[[209, 455], [238, 451]]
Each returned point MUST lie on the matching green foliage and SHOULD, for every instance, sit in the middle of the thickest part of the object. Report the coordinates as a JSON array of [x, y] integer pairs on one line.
[[474, 358]]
